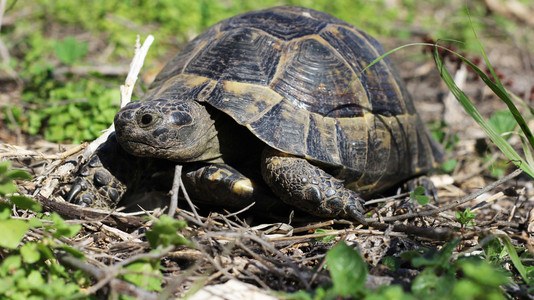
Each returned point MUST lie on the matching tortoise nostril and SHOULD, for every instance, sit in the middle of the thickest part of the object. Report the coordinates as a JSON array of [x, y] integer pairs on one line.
[[146, 119]]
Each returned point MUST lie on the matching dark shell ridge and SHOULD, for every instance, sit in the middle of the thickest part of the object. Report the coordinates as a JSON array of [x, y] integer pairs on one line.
[[295, 78]]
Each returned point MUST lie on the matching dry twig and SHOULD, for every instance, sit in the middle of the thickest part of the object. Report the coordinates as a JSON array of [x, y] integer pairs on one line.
[[126, 91], [116, 285], [446, 207]]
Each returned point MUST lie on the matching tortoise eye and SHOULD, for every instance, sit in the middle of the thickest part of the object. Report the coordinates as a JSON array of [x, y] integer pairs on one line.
[[147, 119]]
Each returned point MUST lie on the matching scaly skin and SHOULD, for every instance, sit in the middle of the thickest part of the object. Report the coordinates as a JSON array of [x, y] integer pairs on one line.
[[100, 183], [112, 170], [301, 184]]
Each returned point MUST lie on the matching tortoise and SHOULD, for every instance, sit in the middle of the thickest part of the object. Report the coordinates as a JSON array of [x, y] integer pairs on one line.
[[271, 104]]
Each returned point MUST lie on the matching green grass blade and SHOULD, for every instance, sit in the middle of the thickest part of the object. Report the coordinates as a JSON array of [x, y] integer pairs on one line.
[[501, 92], [473, 112], [515, 258], [527, 151], [496, 87], [381, 57]]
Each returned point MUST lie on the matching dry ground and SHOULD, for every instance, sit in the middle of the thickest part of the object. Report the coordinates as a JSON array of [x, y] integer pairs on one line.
[[287, 257]]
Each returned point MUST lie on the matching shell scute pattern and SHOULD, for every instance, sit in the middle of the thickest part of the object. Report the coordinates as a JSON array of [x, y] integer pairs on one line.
[[244, 101], [314, 75], [243, 55], [285, 25], [359, 50], [293, 77]]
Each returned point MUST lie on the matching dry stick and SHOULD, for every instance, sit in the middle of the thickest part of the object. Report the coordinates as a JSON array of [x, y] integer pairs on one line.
[[176, 185], [116, 284], [13, 151], [176, 280], [109, 274], [514, 208], [184, 214], [313, 226], [374, 221], [235, 236], [239, 211], [126, 91], [271, 248], [150, 255], [173, 205], [186, 196]]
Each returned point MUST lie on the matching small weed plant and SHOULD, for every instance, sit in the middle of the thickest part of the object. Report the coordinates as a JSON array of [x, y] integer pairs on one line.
[[441, 276], [30, 267]]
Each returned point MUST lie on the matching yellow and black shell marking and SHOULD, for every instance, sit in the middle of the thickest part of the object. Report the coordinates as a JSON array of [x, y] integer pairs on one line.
[[293, 76]]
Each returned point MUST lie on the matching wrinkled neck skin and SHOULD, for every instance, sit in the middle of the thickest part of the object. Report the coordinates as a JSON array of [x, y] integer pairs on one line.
[[178, 130]]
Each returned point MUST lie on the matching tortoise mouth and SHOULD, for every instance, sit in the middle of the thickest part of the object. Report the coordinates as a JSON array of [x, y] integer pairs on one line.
[[139, 148]]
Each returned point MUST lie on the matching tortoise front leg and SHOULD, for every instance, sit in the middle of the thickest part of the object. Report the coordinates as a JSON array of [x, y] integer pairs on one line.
[[222, 185], [301, 184]]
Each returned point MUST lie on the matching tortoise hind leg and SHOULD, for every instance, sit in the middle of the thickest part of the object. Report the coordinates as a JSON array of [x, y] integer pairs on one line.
[[299, 183]]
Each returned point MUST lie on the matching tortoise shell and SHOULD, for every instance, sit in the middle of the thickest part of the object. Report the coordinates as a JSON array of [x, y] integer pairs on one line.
[[293, 76]]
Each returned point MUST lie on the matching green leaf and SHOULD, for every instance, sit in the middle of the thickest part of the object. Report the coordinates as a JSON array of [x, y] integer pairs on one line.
[[18, 174], [465, 217], [4, 166], [449, 165], [389, 292], [29, 252], [497, 88], [5, 210], [164, 232], [13, 232], [326, 238], [436, 259], [35, 279], [35, 222], [7, 187], [431, 285], [73, 251], [147, 280], [503, 122], [419, 194], [466, 289], [426, 281], [483, 273], [515, 258], [69, 50], [391, 262], [10, 263], [64, 229], [347, 268], [46, 252], [24, 202], [5, 285]]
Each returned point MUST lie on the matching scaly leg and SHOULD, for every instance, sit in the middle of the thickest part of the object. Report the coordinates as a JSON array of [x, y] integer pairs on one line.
[[301, 184]]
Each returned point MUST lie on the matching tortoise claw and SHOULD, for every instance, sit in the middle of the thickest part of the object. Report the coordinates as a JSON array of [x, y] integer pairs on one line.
[[355, 214], [95, 187], [80, 193], [74, 191]]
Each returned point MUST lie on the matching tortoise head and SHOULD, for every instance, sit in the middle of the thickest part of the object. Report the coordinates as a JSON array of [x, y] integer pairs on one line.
[[178, 130]]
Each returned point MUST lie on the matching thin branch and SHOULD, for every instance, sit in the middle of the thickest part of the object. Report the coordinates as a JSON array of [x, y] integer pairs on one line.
[[191, 205], [173, 205], [446, 207], [116, 284], [126, 91]]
